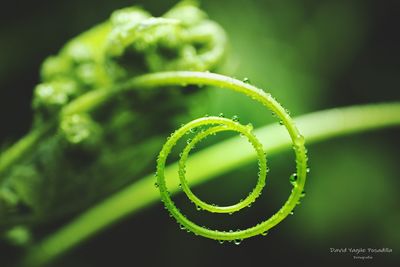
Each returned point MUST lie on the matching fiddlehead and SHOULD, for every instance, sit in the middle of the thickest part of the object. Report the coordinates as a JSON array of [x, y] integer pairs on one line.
[[83, 76], [218, 124]]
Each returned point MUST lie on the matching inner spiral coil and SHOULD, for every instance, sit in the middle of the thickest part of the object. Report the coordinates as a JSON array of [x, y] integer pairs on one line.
[[223, 124]]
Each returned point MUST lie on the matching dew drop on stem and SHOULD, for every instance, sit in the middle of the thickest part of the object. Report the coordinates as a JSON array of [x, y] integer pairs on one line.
[[293, 179]]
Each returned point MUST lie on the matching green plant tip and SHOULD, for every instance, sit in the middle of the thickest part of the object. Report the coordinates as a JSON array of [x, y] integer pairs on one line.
[[220, 124]]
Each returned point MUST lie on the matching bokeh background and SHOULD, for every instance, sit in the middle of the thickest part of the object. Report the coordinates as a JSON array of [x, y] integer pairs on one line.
[[310, 55]]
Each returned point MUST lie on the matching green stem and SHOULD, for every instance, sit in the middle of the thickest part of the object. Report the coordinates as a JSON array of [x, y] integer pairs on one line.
[[229, 154], [22, 147]]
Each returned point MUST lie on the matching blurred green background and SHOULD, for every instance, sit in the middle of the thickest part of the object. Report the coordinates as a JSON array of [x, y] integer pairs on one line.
[[310, 55]]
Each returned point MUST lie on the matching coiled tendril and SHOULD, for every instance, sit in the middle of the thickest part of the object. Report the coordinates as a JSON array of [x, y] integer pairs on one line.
[[219, 124]]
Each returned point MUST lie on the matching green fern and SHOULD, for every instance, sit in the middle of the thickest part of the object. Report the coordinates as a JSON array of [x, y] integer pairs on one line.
[[91, 122]]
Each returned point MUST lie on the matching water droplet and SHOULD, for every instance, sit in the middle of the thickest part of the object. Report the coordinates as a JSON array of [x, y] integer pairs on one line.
[[291, 213], [303, 194], [198, 207], [221, 241], [280, 122], [221, 115], [237, 241], [180, 185], [235, 118], [299, 140], [246, 80], [188, 141], [264, 233], [293, 179], [308, 170], [156, 185], [182, 227]]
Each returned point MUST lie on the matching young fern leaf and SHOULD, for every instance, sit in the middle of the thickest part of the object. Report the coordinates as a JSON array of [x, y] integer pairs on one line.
[[219, 124]]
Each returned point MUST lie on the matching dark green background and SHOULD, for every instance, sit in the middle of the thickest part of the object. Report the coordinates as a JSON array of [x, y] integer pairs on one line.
[[310, 55]]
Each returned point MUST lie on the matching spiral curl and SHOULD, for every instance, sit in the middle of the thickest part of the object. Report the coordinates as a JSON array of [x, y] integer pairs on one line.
[[218, 124]]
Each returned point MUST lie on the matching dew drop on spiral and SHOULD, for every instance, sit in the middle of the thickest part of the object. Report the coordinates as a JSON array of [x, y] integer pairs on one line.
[[246, 80], [237, 241], [264, 233]]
